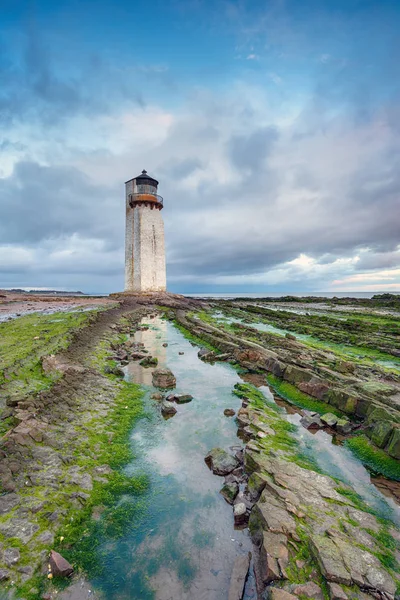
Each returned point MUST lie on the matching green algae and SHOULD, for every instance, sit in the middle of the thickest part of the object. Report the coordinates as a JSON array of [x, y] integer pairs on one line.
[[375, 458]]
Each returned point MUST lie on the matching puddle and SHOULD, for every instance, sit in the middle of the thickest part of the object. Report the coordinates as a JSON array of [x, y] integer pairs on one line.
[[183, 544]]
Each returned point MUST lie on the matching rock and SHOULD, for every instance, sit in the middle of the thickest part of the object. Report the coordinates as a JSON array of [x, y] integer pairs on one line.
[[345, 366], [238, 577], [239, 513], [329, 419], [255, 485], [229, 412], [221, 462], [11, 556], [168, 409], [157, 396], [278, 594], [229, 491], [59, 566], [336, 592], [308, 590], [310, 422], [330, 560], [149, 361], [165, 344], [8, 502], [393, 448], [163, 378], [380, 433], [343, 426], [4, 574], [314, 388], [274, 555], [275, 366], [183, 398], [203, 352], [181, 353], [138, 355]]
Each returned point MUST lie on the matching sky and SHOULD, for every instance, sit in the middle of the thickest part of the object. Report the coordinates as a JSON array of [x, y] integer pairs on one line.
[[272, 126]]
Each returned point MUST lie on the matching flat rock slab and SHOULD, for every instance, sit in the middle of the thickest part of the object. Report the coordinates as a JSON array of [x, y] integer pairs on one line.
[[239, 577], [221, 462]]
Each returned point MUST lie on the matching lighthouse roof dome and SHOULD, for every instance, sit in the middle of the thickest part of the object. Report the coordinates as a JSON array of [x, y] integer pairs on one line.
[[144, 178]]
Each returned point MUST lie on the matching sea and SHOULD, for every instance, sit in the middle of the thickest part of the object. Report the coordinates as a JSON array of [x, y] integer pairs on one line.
[[280, 294]]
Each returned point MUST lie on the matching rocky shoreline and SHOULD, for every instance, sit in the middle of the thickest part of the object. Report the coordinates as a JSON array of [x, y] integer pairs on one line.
[[313, 536]]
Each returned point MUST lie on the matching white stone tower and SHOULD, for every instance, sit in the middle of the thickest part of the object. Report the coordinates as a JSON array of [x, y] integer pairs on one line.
[[144, 236]]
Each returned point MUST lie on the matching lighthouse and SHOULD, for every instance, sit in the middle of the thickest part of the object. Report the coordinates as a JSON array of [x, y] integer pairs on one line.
[[144, 236]]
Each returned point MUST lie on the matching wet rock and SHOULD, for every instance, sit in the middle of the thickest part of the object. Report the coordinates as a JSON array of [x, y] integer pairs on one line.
[[203, 352], [168, 409], [165, 344], [343, 426], [163, 378], [275, 366], [221, 462], [240, 513], [138, 355], [60, 567], [149, 361], [183, 398], [274, 556], [329, 419], [157, 396], [255, 486], [239, 577], [229, 491], [229, 412], [181, 353], [311, 422]]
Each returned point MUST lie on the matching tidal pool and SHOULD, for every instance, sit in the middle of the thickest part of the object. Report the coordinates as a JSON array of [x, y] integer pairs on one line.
[[182, 543]]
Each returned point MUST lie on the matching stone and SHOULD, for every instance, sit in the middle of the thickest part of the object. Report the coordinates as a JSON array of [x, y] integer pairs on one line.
[[114, 371], [239, 576], [239, 513], [275, 366], [221, 462], [278, 594], [181, 353], [8, 502], [290, 336], [60, 567], [183, 398], [4, 574], [296, 375], [157, 396], [11, 556], [336, 592], [168, 409], [343, 426], [203, 352], [317, 389], [380, 433], [329, 419], [308, 590], [163, 378], [229, 491], [330, 560], [229, 412], [311, 422], [273, 553], [393, 448], [149, 361]]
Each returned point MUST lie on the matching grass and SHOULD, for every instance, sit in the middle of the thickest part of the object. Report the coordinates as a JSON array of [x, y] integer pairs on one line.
[[375, 458], [289, 392]]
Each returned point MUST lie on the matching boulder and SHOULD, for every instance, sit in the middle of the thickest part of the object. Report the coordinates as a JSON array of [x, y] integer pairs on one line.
[[380, 433], [59, 566], [343, 426], [329, 419], [393, 448], [240, 513], [336, 592], [202, 352], [238, 577], [163, 378], [4, 574], [168, 409], [229, 412], [183, 398], [229, 491], [221, 462], [311, 422]]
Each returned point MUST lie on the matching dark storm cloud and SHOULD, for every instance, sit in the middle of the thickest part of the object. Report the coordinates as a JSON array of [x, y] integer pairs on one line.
[[39, 202]]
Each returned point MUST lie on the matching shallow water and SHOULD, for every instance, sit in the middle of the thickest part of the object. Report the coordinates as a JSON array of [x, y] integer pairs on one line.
[[183, 544]]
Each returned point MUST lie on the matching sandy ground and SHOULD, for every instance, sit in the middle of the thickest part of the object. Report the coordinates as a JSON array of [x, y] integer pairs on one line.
[[14, 305]]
